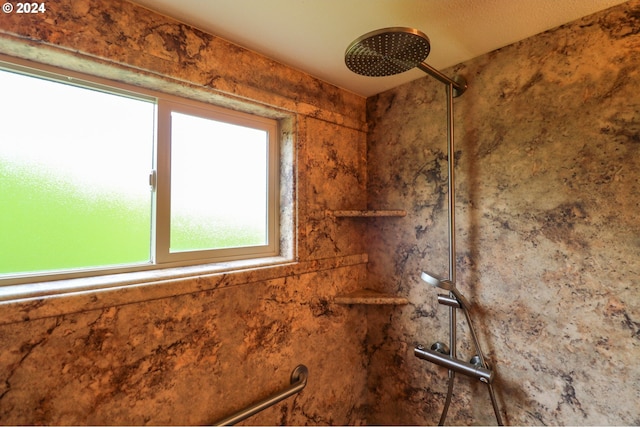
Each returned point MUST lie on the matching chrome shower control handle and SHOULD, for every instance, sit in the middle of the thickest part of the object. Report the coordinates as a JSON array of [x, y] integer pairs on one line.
[[476, 361], [440, 348]]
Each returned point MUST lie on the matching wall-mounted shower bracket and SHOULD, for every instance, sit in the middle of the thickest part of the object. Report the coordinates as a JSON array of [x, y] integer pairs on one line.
[[448, 301], [460, 87], [453, 364]]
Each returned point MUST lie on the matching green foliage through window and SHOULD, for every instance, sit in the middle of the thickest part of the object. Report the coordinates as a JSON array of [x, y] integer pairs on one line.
[[75, 190]]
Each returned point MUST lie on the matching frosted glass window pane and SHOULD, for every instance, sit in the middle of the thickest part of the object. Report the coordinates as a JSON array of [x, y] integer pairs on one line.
[[218, 184], [74, 166]]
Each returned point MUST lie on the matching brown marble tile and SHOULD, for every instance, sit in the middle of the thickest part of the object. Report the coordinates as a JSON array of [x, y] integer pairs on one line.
[[194, 346], [546, 161], [547, 243], [190, 359]]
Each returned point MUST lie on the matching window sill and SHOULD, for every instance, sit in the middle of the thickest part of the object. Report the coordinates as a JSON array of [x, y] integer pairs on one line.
[[100, 282], [25, 302]]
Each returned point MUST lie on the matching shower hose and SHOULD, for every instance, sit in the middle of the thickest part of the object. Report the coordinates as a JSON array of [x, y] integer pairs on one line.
[[482, 363]]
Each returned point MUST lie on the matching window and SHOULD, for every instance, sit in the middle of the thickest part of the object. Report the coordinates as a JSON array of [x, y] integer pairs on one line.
[[221, 197], [98, 179]]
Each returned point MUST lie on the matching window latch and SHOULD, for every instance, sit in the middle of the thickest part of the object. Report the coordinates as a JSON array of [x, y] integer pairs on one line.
[[153, 180]]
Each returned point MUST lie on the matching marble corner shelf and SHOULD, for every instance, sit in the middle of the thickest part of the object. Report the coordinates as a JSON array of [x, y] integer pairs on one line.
[[370, 297], [368, 213]]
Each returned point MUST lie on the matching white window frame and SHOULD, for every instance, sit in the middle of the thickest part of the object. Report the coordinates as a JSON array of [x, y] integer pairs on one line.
[[163, 188], [161, 257]]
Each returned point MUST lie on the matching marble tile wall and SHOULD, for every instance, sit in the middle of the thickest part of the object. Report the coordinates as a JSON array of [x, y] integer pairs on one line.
[[192, 349], [548, 245], [191, 359], [546, 160]]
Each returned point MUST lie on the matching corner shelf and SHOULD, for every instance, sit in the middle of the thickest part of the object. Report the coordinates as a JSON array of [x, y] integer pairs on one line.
[[370, 297], [367, 213]]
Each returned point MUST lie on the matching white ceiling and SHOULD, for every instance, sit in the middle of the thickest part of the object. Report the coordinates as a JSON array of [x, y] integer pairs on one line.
[[312, 35]]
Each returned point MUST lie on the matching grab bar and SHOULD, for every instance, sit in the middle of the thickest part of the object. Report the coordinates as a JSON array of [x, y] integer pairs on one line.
[[298, 382]]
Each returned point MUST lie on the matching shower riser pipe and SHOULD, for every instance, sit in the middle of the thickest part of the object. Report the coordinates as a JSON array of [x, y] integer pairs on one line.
[[452, 248]]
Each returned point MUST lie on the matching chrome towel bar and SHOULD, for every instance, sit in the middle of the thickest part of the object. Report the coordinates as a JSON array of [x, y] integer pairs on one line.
[[298, 382]]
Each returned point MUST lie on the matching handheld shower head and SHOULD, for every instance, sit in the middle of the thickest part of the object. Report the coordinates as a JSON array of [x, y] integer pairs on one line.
[[436, 282], [446, 285]]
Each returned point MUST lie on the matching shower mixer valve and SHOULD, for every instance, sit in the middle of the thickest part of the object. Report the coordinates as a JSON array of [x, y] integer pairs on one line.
[[439, 357]]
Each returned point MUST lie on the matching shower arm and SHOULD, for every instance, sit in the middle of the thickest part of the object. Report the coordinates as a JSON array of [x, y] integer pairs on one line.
[[459, 83]]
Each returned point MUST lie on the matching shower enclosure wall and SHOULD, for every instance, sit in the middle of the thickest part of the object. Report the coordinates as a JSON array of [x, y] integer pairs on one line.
[[545, 149]]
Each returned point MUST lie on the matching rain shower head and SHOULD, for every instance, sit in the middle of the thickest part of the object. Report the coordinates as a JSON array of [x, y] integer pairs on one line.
[[387, 51], [394, 50]]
